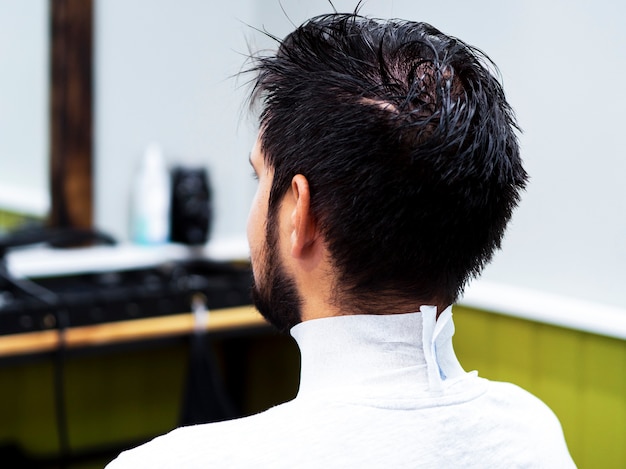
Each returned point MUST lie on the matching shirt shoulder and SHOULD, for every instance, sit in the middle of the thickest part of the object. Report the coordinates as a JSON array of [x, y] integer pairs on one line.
[[193, 446], [532, 429]]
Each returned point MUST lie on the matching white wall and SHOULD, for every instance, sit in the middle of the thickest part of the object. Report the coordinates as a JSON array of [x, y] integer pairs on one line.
[[24, 106], [162, 74]]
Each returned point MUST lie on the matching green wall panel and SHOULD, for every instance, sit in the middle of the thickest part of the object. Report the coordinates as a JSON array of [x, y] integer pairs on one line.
[[26, 408], [110, 399], [581, 376], [117, 398]]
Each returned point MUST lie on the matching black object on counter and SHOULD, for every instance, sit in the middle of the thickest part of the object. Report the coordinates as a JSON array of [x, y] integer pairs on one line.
[[191, 208]]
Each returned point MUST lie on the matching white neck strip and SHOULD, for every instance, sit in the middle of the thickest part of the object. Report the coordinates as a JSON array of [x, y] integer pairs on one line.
[[378, 355]]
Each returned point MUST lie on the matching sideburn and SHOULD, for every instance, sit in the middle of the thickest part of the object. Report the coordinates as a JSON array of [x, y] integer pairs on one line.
[[276, 295]]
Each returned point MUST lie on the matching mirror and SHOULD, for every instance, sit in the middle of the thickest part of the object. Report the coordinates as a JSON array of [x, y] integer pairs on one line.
[[24, 95]]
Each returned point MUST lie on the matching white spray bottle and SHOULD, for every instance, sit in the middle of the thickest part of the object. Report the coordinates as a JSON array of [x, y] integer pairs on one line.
[[151, 199]]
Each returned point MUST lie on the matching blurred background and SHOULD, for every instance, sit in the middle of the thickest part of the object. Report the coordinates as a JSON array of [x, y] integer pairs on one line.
[[165, 72], [87, 87]]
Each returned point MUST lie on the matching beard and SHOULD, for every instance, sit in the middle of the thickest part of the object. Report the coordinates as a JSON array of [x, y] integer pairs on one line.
[[274, 293]]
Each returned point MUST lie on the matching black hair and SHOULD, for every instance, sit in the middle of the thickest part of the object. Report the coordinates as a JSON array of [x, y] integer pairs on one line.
[[409, 147]]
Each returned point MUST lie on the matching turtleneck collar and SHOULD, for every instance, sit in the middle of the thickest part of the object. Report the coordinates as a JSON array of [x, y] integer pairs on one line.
[[371, 356]]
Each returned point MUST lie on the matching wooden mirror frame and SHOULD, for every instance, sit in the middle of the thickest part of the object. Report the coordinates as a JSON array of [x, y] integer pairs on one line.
[[71, 120]]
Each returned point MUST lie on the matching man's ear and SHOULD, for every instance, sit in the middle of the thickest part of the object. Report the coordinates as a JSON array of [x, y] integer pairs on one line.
[[304, 227]]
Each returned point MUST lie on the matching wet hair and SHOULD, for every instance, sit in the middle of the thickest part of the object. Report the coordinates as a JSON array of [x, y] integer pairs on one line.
[[409, 147]]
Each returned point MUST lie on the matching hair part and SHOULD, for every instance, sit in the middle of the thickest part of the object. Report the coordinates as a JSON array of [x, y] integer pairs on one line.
[[409, 147]]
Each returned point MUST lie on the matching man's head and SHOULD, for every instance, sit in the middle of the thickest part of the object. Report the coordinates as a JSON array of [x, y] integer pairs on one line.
[[408, 147]]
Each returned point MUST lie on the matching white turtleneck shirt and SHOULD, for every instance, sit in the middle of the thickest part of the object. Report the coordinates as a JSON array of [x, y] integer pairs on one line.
[[375, 392]]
